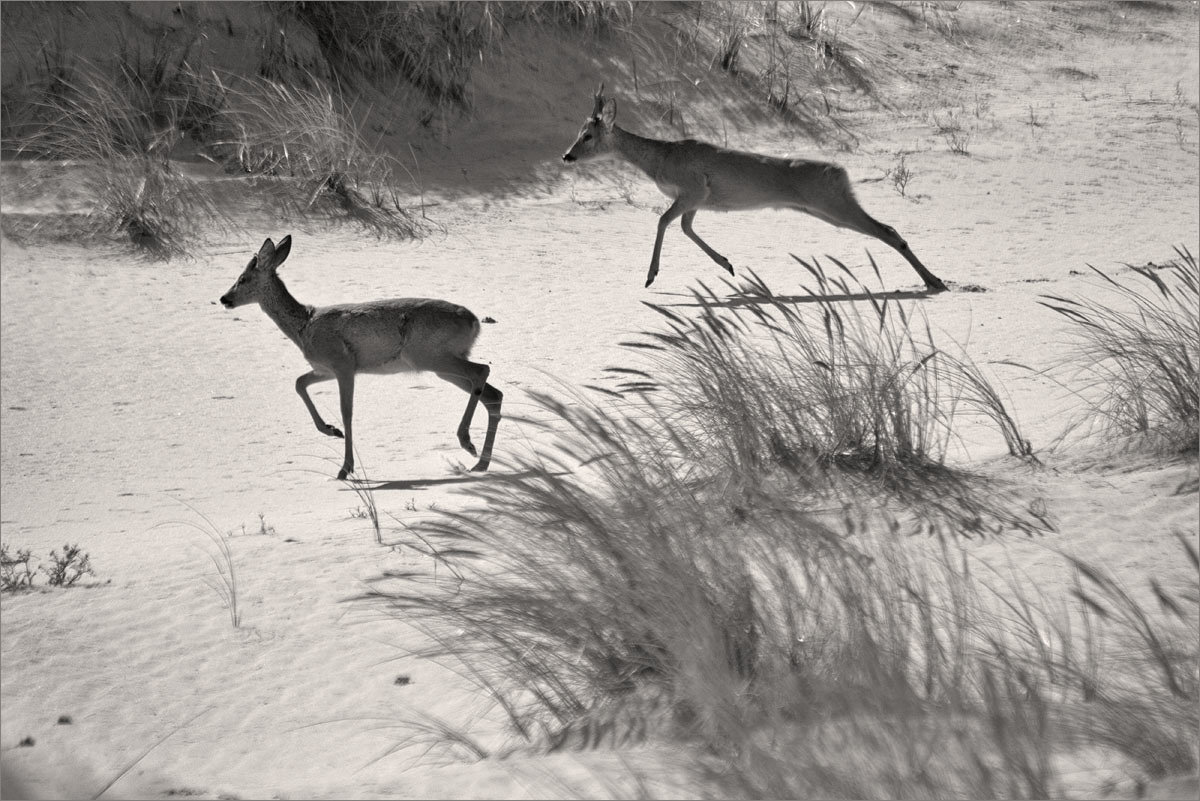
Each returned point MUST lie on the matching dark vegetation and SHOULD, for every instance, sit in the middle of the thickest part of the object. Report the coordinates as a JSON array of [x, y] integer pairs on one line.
[[294, 96]]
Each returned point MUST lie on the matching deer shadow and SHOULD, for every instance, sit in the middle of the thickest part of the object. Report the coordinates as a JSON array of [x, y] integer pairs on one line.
[[753, 299], [426, 483]]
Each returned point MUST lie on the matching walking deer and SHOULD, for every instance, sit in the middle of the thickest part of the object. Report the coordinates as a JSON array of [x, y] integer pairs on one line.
[[697, 175], [381, 336]]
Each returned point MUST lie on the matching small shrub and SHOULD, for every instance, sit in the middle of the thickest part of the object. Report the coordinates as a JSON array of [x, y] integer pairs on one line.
[[958, 141], [68, 567], [15, 570], [957, 137], [899, 176]]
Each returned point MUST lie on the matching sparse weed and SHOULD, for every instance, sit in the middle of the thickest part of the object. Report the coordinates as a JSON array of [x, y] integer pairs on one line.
[[1034, 121], [1179, 99], [1181, 137], [899, 175], [225, 584], [957, 137], [263, 529], [958, 142], [368, 510]]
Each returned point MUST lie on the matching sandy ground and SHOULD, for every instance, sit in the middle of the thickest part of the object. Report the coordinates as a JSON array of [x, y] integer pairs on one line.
[[129, 395]]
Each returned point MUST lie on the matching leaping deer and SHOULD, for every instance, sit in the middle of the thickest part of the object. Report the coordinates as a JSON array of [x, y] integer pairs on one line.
[[697, 175], [381, 336]]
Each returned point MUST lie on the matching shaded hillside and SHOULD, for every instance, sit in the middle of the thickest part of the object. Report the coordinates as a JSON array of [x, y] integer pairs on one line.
[[363, 110]]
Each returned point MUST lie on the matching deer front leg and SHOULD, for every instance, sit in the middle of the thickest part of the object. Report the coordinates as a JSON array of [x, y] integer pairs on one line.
[[346, 392], [686, 224], [302, 385], [691, 197], [670, 215]]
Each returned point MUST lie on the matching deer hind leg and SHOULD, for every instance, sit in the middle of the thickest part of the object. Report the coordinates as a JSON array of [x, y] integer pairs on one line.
[[666, 219], [686, 224], [492, 399], [472, 379], [846, 213]]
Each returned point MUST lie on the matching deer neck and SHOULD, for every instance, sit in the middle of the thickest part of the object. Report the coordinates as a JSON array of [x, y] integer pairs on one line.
[[642, 152], [288, 313]]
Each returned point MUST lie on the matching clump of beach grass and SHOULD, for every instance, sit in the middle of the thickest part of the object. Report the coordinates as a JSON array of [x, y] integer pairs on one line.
[[695, 557], [845, 388], [120, 130], [604, 596], [1136, 355], [306, 141]]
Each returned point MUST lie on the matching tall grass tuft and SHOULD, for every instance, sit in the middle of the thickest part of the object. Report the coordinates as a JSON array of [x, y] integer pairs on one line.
[[844, 389], [1137, 353], [678, 563], [307, 137], [122, 129]]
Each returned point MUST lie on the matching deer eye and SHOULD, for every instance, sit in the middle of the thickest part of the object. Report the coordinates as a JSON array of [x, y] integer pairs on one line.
[[587, 136]]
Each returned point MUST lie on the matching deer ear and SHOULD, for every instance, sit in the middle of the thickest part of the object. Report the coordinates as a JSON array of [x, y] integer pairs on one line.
[[608, 114], [266, 253], [598, 102], [281, 252]]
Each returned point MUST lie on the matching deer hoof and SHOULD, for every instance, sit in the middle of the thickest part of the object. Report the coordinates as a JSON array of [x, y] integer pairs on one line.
[[344, 472], [332, 431], [481, 466]]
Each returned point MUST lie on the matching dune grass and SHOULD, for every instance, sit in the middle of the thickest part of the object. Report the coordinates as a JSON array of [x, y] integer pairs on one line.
[[848, 391], [802, 653], [306, 139], [125, 124], [699, 558], [122, 129], [1136, 358]]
